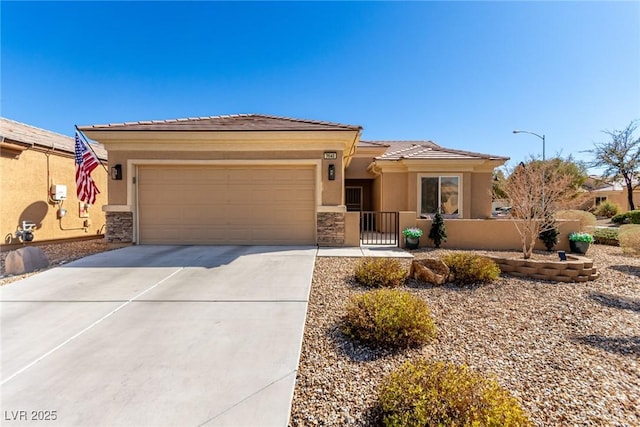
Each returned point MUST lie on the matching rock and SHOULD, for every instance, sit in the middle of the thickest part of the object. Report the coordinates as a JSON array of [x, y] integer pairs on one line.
[[25, 260], [430, 270]]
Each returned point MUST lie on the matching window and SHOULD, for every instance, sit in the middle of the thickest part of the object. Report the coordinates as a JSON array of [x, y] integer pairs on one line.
[[439, 192], [600, 199]]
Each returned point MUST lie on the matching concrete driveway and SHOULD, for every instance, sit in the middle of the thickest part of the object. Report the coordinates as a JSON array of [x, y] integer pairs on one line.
[[156, 336]]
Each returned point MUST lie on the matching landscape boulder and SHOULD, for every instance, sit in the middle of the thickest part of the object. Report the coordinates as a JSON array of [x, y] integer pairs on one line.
[[430, 270], [25, 260]]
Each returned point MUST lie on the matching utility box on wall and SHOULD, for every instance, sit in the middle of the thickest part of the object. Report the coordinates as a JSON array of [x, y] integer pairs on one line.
[[58, 192]]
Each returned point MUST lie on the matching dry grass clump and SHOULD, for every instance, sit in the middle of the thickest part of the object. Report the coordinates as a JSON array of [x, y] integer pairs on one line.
[[428, 393], [629, 238], [388, 318]]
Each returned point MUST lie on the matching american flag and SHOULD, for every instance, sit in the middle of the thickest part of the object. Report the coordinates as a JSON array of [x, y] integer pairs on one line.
[[86, 162]]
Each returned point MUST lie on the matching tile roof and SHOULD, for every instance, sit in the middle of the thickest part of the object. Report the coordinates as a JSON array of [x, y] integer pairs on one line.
[[234, 122], [24, 134], [426, 150]]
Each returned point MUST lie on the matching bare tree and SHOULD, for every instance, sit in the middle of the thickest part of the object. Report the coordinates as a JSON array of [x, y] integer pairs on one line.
[[536, 191], [620, 157]]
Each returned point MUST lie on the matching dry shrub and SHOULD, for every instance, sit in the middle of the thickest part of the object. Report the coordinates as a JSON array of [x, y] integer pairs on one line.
[[380, 272], [629, 238], [607, 209], [443, 394], [587, 219], [469, 268], [388, 318]]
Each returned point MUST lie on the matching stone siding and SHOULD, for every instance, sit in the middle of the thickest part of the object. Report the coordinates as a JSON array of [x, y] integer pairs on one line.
[[331, 228], [119, 227]]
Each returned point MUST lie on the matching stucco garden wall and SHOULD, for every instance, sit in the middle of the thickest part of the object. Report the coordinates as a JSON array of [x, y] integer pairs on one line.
[[490, 234], [26, 180]]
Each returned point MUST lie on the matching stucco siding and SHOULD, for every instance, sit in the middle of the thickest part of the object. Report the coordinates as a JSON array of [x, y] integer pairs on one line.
[[24, 196]]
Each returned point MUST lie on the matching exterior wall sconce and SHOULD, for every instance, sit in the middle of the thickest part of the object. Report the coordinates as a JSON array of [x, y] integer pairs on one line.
[[332, 172], [116, 172]]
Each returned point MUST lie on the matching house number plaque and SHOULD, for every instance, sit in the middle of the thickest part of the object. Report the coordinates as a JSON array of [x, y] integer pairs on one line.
[[330, 155]]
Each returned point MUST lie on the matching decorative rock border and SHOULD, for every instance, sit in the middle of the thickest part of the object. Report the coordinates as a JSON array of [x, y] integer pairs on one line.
[[574, 269]]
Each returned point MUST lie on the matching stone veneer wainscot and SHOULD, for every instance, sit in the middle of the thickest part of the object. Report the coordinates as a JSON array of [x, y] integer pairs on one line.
[[119, 227], [331, 228]]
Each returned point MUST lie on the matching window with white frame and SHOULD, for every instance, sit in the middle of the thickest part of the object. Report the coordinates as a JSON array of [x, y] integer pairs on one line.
[[439, 192]]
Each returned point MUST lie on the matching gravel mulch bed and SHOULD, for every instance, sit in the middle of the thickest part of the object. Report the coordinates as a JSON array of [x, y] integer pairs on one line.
[[58, 254], [570, 352]]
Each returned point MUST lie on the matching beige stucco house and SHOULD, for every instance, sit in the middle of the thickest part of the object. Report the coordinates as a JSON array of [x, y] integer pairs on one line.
[[614, 192], [258, 179], [33, 162]]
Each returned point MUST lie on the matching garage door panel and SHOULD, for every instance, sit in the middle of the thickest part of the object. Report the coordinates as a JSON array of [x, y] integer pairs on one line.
[[235, 205]]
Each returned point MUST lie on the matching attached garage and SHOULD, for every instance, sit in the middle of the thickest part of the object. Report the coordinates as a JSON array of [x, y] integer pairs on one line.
[[243, 179], [227, 205]]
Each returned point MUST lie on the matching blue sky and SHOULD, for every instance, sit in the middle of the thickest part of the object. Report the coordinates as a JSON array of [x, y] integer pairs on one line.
[[463, 74]]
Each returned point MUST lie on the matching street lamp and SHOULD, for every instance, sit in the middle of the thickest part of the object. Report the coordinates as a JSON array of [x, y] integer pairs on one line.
[[535, 134], [543, 159]]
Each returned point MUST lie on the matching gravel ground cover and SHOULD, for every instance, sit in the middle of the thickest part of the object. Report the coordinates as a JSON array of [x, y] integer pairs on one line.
[[570, 352], [58, 254]]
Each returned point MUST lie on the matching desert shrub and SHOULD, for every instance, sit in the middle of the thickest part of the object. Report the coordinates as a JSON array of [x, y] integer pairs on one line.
[[469, 268], [587, 219], [606, 236], [619, 218], [606, 209], [443, 394], [380, 272], [629, 237], [634, 216], [388, 318]]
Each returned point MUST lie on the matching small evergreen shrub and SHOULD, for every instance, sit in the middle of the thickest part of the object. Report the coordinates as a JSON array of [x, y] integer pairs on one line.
[[587, 219], [443, 394], [469, 268], [634, 216], [380, 272], [606, 236], [607, 209], [629, 237], [619, 218], [438, 231], [550, 236], [388, 318]]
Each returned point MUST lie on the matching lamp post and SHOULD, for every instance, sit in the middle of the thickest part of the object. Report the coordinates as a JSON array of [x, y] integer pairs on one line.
[[543, 160]]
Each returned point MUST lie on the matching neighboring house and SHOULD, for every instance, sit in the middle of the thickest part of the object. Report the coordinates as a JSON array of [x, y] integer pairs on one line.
[[611, 191], [257, 179], [33, 163]]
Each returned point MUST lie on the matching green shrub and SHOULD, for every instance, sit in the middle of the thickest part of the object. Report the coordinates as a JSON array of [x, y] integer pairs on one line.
[[388, 318], [629, 237], [619, 218], [606, 236], [469, 268], [634, 216], [380, 272], [443, 394], [607, 209], [587, 219]]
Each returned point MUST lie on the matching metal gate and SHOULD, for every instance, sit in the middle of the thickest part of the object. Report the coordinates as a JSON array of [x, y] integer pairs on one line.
[[379, 228]]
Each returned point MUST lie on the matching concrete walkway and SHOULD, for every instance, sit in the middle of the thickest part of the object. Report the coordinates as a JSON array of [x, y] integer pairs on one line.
[[364, 251], [156, 336]]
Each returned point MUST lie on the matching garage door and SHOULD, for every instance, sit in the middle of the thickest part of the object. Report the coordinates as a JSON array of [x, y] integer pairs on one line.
[[232, 205]]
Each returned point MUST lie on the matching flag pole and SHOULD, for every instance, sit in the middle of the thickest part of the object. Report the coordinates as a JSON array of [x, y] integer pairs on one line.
[[91, 148]]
